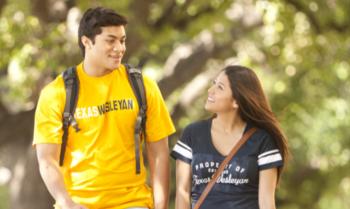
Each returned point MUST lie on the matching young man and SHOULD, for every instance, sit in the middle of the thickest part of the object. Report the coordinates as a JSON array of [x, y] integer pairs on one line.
[[99, 162]]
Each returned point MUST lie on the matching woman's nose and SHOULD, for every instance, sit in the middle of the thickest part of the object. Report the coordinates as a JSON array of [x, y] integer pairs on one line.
[[211, 89]]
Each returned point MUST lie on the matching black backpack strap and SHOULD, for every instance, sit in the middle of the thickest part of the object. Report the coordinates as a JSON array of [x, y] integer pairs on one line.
[[136, 82], [71, 84]]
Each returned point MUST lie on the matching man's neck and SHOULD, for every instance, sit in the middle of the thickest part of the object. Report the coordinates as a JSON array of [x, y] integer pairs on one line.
[[94, 70]]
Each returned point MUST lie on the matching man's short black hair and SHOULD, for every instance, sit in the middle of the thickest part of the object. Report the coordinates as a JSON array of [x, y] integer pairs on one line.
[[95, 18]]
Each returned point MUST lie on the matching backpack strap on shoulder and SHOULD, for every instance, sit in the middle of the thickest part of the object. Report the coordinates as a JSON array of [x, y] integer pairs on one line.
[[71, 83], [136, 82]]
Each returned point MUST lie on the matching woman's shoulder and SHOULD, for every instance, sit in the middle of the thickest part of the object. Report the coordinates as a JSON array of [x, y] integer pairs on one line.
[[262, 137], [198, 125], [197, 129], [262, 132], [195, 132]]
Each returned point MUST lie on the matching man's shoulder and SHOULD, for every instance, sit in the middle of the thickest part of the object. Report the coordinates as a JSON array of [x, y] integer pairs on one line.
[[56, 86], [151, 87], [148, 80]]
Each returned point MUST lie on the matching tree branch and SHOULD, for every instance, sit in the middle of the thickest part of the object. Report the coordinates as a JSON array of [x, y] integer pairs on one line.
[[168, 14], [195, 89], [141, 9], [184, 21], [309, 14], [138, 21], [189, 59], [341, 28], [2, 5], [178, 17], [16, 127], [312, 17], [3, 112], [51, 11], [40, 9], [186, 62]]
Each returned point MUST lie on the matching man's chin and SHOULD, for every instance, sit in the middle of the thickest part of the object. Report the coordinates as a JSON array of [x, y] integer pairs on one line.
[[115, 66]]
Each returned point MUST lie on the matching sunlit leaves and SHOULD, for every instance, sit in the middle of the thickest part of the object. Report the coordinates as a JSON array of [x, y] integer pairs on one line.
[[299, 49]]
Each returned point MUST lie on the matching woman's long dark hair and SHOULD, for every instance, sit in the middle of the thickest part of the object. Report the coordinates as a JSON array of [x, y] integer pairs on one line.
[[254, 107]]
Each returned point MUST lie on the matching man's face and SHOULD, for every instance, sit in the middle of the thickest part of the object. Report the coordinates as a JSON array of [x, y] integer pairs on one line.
[[109, 47]]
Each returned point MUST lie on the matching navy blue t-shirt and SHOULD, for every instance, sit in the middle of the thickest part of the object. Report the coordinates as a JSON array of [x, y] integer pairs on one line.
[[239, 183]]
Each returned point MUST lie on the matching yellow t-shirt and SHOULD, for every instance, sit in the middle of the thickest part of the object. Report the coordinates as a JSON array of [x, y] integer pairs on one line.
[[99, 167]]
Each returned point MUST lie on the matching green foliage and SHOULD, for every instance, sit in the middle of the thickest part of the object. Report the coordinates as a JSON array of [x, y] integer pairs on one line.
[[4, 197], [299, 50]]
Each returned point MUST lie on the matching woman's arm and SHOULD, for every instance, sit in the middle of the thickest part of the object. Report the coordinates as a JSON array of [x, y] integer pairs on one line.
[[267, 187], [183, 185]]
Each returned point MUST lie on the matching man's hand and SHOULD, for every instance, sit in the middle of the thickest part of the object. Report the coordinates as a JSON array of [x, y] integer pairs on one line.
[[48, 155], [70, 205]]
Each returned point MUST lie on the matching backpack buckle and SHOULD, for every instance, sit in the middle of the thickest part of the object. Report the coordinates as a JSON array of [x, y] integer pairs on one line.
[[68, 119]]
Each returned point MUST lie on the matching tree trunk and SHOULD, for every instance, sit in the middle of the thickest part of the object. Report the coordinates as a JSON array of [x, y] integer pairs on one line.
[[27, 189], [51, 10]]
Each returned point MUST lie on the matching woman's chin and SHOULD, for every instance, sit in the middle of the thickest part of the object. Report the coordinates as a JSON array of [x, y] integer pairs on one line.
[[208, 108]]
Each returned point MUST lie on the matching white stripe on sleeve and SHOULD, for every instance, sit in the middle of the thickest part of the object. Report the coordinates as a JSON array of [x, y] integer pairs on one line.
[[269, 159], [182, 151], [184, 145], [267, 153]]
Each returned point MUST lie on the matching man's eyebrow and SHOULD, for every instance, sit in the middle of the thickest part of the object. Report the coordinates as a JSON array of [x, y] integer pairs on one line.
[[116, 37]]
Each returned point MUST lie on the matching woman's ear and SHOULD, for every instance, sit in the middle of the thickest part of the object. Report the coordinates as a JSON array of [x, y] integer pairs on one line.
[[235, 104]]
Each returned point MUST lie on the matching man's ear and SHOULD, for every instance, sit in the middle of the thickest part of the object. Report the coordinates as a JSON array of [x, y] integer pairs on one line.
[[86, 42]]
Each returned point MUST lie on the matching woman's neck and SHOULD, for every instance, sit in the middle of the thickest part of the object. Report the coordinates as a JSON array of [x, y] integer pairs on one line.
[[229, 123]]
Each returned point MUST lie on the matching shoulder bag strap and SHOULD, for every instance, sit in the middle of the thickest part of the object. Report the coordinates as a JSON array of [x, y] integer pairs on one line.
[[222, 166]]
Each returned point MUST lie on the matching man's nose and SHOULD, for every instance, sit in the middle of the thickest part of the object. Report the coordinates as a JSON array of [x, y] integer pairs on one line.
[[118, 47]]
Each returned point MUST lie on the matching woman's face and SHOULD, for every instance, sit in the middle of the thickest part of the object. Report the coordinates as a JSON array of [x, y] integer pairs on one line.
[[220, 95]]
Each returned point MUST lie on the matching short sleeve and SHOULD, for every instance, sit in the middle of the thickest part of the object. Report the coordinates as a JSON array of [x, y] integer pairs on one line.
[[269, 154], [182, 149], [48, 114], [158, 121]]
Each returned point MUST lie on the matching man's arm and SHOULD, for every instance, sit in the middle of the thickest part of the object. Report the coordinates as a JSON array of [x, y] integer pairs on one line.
[[158, 158], [48, 155]]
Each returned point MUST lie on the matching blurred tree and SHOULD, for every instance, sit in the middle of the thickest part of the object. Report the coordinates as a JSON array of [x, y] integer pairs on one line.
[[300, 50]]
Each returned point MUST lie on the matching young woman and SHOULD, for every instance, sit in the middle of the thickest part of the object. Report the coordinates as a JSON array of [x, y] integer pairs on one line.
[[249, 180]]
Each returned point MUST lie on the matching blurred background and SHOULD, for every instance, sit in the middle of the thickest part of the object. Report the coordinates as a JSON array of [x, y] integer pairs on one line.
[[300, 49]]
